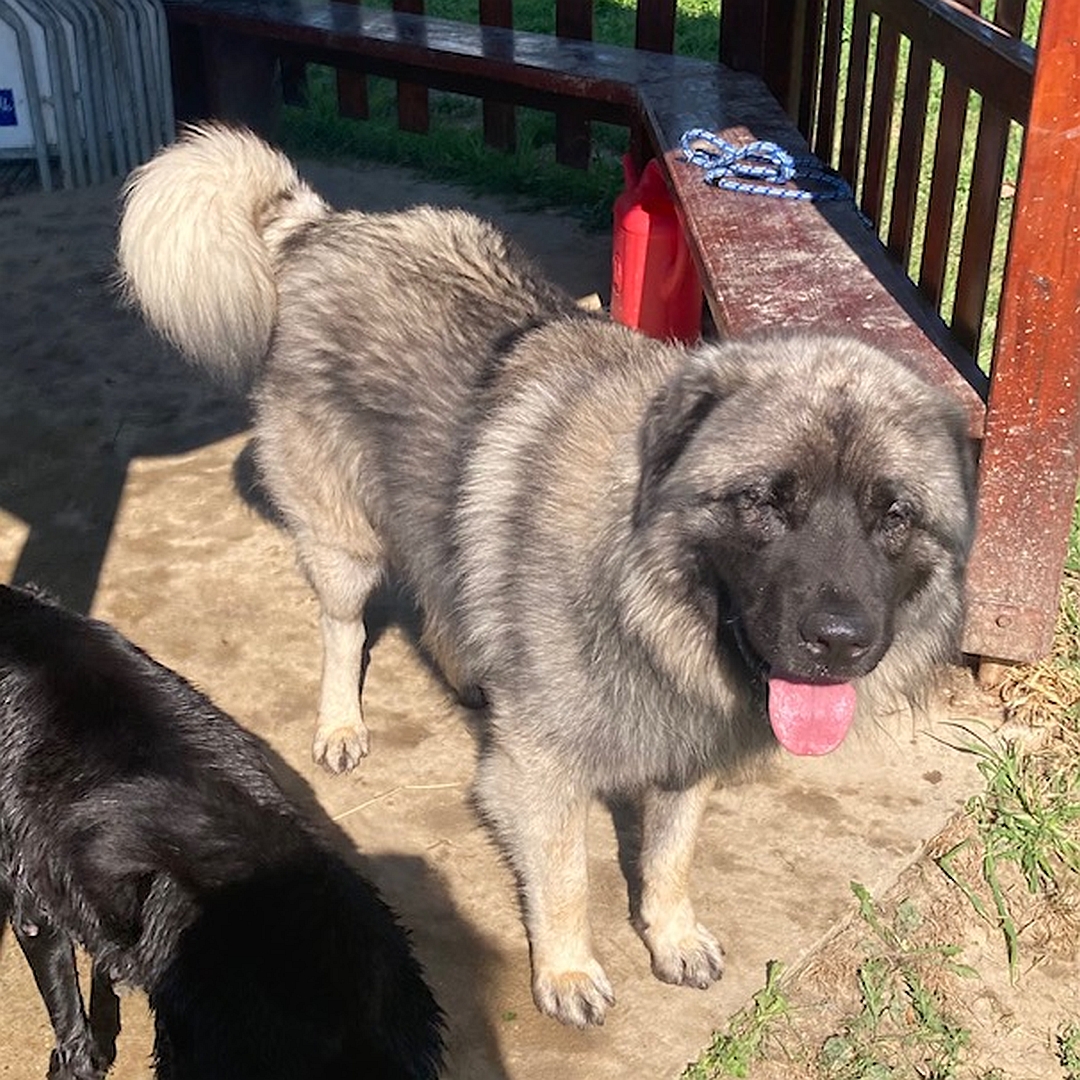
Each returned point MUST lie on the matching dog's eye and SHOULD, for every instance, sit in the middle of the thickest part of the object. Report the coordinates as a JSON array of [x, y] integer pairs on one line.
[[748, 499], [759, 508], [751, 499], [899, 512], [896, 521], [776, 492]]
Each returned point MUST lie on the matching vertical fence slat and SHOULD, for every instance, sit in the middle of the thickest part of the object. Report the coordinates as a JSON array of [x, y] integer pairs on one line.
[[825, 128], [812, 23], [782, 67], [851, 128], [352, 91], [909, 154], [573, 133], [294, 82], [882, 100], [939, 212], [500, 118], [412, 98], [765, 37], [979, 225], [1009, 15], [742, 34], [654, 27]]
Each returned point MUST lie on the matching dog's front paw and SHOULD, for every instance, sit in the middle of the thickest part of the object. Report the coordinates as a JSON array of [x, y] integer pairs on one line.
[[685, 955], [578, 998], [79, 1061], [340, 749]]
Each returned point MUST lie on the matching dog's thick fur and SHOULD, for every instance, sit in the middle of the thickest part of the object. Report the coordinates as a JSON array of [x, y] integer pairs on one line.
[[141, 822], [615, 542]]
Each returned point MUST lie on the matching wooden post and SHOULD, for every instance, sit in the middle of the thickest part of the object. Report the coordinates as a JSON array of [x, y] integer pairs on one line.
[[500, 117], [243, 81], [1034, 407], [352, 91], [412, 98], [654, 27], [573, 133], [766, 37]]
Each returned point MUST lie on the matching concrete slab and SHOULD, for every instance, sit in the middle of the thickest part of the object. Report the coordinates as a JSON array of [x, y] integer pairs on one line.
[[118, 477]]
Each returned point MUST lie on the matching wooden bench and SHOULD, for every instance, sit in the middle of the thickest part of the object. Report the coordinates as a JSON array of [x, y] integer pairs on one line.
[[763, 261]]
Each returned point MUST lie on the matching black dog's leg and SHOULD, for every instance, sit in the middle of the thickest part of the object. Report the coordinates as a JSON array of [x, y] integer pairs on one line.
[[52, 960], [104, 1016]]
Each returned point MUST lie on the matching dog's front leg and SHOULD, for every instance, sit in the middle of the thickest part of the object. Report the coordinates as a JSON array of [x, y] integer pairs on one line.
[[682, 950], [52, 961], [540, 820]]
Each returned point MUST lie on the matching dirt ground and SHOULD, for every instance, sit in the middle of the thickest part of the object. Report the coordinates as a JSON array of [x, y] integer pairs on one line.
[[120, 475]]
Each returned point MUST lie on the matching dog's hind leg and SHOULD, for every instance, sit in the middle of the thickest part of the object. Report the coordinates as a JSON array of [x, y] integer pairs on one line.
[[51, 957], [104, 1015], [343, 582], [682, 950]]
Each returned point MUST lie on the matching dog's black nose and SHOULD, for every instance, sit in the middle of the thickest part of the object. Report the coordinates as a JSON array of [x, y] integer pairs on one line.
[[836, 635]]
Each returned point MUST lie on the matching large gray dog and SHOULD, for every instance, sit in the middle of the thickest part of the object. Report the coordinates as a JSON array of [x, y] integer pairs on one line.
[[625, 547]]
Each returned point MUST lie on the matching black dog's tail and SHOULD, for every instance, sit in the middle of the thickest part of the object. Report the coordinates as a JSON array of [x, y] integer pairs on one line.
[[324, 977]]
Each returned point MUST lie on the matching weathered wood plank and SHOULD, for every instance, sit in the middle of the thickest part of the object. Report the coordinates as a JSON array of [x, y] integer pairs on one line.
[[1031, 456]]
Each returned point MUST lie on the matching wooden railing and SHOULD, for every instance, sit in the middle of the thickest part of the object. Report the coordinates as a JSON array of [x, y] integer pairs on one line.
[[902, 96], [866, 106], [654, 31], [918, 89]]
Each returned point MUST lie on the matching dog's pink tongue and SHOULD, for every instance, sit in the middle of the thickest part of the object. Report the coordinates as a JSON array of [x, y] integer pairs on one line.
[[808, 718]]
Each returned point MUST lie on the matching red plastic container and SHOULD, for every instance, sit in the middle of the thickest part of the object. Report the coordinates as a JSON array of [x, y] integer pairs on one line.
[[654, 283]]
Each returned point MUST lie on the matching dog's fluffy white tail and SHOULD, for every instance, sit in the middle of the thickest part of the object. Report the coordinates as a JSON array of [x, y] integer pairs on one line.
[[199, 228]]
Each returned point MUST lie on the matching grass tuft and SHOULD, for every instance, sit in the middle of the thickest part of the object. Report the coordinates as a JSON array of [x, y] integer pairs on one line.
[[902, 1027], [733, 1052], [1027, 817], [1068, 1050]]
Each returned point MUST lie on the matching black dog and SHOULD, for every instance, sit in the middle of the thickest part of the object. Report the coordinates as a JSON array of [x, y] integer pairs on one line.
[[140, 821]]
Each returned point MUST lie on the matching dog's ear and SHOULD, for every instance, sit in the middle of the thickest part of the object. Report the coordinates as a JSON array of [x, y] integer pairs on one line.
[[676, 411], [965, 450]]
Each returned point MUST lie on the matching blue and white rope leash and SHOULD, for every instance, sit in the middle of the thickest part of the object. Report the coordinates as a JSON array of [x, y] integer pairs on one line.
[[761, 168]]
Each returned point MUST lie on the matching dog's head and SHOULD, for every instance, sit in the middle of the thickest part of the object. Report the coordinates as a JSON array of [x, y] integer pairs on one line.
[[819, 499]]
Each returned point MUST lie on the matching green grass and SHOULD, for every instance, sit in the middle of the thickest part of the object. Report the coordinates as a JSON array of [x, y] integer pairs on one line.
[[899, 1028], [902, 1027], [749, 1032], [1027, 816], [1068, 1045]]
